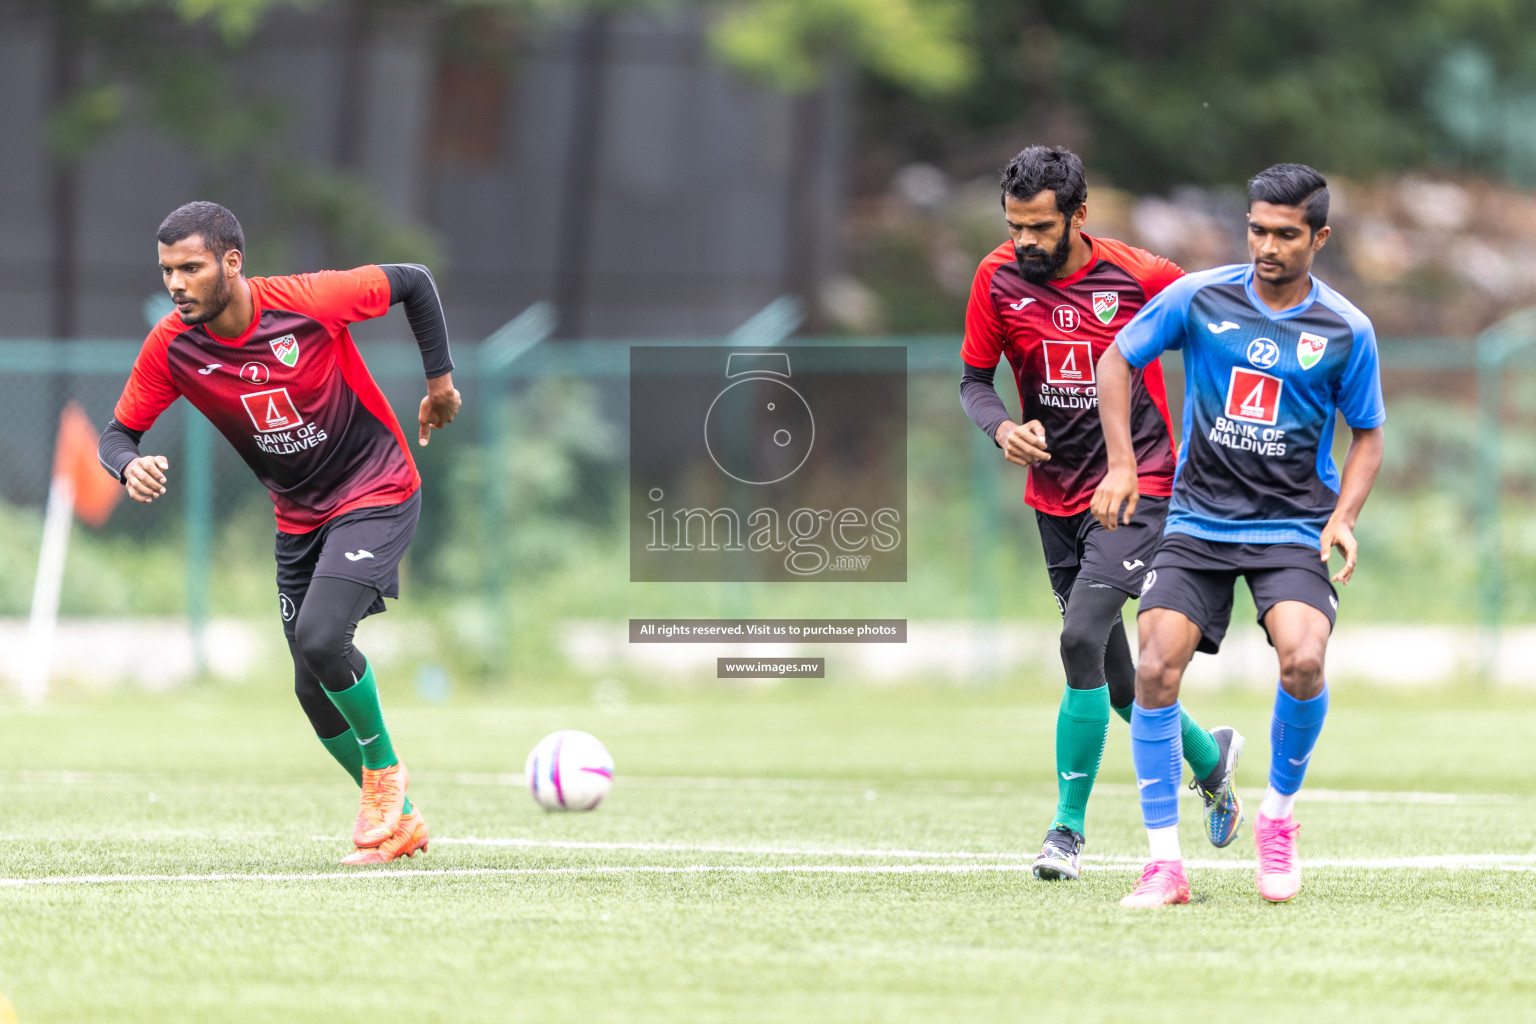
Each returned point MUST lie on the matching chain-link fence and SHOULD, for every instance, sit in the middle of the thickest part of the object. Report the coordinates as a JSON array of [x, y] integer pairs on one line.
[[525, 515]]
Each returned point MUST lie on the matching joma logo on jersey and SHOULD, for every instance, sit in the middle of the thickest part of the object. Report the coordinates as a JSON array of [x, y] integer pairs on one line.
[[1068, 362], [1254, 396], [271, 411], [286, 349]]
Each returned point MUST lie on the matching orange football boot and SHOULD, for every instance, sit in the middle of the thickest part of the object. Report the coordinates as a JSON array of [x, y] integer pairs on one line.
[[383, 802], [409, 837]]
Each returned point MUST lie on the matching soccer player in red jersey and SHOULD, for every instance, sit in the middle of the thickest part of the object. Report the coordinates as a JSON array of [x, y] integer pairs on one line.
[[1051, 299], [271, 364]]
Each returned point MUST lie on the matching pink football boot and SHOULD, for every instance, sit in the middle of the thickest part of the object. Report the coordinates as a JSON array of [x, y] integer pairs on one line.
[[1162, 884], [1279, 876]]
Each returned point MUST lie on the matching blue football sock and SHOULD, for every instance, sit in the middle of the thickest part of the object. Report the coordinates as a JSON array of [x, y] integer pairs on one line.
[[1158, 754], [1292, 734]]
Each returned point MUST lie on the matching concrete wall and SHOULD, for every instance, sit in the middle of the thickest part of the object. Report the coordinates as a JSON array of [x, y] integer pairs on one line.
[[699, 210]]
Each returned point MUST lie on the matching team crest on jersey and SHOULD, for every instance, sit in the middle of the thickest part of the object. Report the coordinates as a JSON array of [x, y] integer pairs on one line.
[[1254, 396], [1310, 349], [1106, 305], [286, 349], [1068, 362]]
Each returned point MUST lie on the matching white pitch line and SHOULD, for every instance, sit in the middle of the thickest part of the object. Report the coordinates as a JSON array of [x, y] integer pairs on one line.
[[1520, 860], [1448, 861], [782, 784], [1322, 796], [1496, 862], [596, 869], [767, 851]]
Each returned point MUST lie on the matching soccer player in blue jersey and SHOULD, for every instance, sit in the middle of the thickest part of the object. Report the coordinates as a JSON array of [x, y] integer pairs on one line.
[[1271, 356]]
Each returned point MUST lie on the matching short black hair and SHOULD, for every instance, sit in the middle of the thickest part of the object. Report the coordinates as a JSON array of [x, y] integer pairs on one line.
[[1039, 168], [1292, 185], [220, 230]]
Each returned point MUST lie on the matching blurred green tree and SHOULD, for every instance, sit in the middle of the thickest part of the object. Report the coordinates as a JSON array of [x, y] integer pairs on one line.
[[1204, 91], [110, 65], [918, 46]]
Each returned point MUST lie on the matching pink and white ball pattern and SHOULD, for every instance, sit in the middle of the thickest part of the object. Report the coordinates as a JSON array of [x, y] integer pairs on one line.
[[569, 770]]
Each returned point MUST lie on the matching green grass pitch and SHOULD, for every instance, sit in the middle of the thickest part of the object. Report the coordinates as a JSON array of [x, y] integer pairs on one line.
[[795, 854]]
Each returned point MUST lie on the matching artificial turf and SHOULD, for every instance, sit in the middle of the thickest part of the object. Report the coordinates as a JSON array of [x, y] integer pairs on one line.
[[801, 853]]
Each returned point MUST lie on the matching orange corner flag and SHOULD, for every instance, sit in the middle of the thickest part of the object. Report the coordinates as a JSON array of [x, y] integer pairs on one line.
[[74, 457]]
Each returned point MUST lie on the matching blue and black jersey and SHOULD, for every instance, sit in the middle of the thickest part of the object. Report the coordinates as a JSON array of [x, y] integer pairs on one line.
[[1261, 393]]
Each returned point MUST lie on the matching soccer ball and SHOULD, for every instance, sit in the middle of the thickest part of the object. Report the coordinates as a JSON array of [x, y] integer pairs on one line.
[[569, 771]]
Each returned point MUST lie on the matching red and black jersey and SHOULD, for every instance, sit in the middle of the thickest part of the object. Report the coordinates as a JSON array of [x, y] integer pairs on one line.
[[1053, 335], [291, 394]]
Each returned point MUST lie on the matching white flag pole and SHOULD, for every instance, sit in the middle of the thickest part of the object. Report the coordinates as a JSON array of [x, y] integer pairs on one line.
[[44, 622]]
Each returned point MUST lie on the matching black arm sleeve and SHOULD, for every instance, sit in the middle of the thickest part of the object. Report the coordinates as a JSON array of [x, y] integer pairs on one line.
[[118, 447], [980, 399], [412, 284]]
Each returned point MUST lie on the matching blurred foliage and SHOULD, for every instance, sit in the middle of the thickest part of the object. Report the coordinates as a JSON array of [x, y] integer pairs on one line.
[[1156, 93], [350, 216], [84, 120], [1488, 121], [186, 93], [915, 45], [242, 130], [1202, 91], [557, 467], [236, 19], [791, 43]]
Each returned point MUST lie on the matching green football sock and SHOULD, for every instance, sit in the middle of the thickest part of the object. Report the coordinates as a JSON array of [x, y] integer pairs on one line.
[[349, 755], [1124, 713], [1082, 723], [1200, 748], [359, 705]]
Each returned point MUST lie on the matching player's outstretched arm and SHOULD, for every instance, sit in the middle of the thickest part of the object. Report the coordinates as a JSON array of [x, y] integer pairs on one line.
[[1360, 468], [1119, 486]]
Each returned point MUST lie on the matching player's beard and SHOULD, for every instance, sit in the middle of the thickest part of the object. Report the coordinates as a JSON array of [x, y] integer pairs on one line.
[[211, 307], [1284, 276], [1041, 266]]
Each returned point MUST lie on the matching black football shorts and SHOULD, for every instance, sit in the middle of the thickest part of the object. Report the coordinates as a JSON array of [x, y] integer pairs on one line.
[[364, 546], [1079, 546], [1196, 577]]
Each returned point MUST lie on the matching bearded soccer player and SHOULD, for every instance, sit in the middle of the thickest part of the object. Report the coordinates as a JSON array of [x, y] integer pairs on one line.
[[272, 365], [1272, 355], [1051, 299]]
